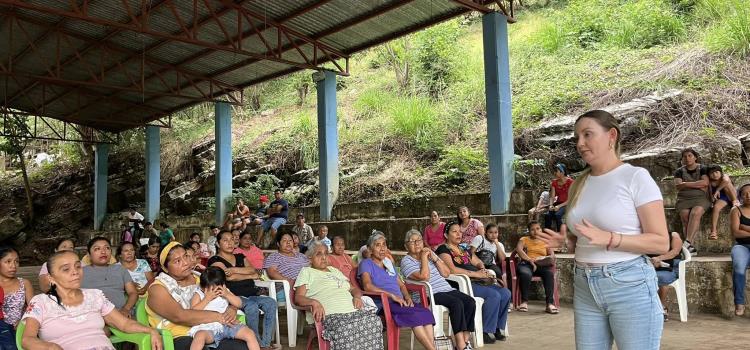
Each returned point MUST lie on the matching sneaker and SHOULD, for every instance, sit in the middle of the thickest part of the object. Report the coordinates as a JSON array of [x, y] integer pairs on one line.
[[488, 338], [692, 250], [468, 346]]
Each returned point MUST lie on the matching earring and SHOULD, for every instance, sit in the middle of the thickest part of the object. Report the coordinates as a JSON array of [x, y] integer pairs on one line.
[[610, 145]]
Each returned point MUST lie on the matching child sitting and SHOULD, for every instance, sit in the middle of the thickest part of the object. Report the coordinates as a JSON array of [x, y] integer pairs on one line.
[[323, 236], [214, 296]]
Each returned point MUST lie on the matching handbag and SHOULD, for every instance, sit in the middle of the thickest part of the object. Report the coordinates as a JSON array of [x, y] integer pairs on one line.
[[487, 257], [544, 262], [443, 343]]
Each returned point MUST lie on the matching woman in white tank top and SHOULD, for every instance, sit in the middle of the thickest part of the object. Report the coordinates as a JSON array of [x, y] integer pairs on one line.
[[616, 215]]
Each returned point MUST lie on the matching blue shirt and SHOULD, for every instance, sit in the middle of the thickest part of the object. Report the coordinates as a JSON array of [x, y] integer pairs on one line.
[[284, 208], [385, 279], [409, 265]]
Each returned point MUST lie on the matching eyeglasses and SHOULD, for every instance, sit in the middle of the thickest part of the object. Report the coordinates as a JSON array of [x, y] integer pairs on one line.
[[414, 242]]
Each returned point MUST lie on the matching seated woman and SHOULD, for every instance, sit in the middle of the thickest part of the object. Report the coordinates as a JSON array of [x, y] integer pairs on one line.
[[68, 316], [336, 303], [377, 276], [168, 303], [287, 262], [339, 259], [252, 253], [139, 269], [18, 291], [63, 244], [469, 226], [152, 254], [240, 281], [112, 279], [722, 193], [421, 264], [496, 298], [666, 268], [489, 249], [433, 232], [536, 260], [740, 225]]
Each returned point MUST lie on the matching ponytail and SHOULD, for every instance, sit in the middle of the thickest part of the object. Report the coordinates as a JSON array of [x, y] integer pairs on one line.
[[575, 191], [52, 294]]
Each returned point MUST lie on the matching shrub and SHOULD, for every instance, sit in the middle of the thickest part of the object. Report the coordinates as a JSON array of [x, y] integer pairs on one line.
[[730, 30], [436, 47], [457, 162], [265, 184], [415, 122]]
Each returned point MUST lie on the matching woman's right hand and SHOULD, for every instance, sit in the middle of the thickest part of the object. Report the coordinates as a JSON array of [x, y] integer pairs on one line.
[[398, 299], [317, 310], [553, 239]]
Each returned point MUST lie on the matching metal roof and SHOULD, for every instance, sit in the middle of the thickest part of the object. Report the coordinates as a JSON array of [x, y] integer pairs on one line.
[[113, 65]]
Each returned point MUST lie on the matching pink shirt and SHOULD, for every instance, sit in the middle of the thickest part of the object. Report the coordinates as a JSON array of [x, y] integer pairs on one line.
[[436, 237], [73, 326], [469, 232], [253, 255], [343, 263]]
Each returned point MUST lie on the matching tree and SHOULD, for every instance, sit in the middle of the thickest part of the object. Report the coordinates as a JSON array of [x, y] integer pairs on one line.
[[14, 146]]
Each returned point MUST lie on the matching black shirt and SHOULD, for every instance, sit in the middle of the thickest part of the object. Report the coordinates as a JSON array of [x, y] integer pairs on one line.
[[245, 288], [284, 213]]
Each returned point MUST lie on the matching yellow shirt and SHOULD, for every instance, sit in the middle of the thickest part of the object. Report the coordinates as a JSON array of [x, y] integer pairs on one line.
[[534, 247], [158, 322]]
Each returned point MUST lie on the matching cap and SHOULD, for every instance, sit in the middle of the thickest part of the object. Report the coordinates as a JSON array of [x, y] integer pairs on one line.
[[263, 198]]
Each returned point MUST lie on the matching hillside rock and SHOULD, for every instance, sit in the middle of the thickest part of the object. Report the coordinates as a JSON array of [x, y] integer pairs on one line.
[[10, 226]]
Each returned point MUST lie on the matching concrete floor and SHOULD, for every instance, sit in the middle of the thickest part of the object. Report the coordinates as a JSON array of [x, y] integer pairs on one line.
[[702, 331]]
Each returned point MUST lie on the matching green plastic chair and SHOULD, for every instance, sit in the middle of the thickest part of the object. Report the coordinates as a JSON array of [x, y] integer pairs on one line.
[[142, 340]]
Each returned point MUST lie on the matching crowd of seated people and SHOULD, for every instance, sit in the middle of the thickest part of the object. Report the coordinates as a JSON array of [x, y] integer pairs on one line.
[[195, 289]]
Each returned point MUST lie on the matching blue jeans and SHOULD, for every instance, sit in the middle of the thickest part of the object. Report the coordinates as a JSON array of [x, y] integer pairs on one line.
[[617, 302], [740, 262], [274, 223], [495, 307], [665, 277], [557, 216], [251, 306]]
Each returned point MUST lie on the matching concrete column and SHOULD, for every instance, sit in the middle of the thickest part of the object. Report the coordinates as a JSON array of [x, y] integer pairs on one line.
[[328, 142], [223, 177], [153, 174], [101, 155], [499, 119]]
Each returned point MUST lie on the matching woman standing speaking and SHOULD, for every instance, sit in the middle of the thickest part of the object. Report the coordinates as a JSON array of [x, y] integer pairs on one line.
[[616, 215]]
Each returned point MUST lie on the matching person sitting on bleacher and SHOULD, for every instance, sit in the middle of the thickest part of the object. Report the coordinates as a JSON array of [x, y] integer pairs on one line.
[[68, 317], [740, 225], [691, 182], [536, 260], [666, 268]]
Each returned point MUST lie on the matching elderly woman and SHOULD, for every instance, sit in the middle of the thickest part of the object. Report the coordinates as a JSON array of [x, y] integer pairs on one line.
[[112, 279], [336, 302], [287, 262], [139, 269], [68, 316], [496, 298], [378, 275], [241, 281], [168, 305], [339, 259], [63, 244], [421, 264]]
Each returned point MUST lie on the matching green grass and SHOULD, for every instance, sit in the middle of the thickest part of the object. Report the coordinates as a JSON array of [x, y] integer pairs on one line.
[[730, 32]]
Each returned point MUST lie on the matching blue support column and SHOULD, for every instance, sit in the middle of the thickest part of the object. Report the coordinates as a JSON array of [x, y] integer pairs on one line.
[[153, 175], [499, 119], [101, 154], [328, 142], [223, 177]]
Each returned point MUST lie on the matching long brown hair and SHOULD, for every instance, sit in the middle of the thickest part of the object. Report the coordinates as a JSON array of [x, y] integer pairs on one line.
[[608, 122]]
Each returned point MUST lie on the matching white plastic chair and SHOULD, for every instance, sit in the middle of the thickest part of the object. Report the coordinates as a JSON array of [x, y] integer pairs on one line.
[[679, 285], [292, 314], [438, 311]]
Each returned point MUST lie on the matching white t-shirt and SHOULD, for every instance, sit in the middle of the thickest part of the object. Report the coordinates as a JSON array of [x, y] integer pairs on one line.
[[476, 242], [136, 216], [609, 202]]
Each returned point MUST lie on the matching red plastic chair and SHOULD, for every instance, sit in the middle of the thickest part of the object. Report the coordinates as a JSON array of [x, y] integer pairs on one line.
[[392, 330], [516, 290], [316, 331]]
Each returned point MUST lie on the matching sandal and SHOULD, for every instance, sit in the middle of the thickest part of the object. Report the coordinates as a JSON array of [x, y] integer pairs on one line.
[[552, 310], [523, 308], [713, 236]]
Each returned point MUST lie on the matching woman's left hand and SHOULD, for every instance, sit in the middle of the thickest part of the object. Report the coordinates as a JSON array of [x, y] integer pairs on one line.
[[156, 342], [595, 235]]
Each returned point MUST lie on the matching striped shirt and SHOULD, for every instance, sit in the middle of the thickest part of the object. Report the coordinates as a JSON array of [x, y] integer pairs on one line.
[[288, 266]]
